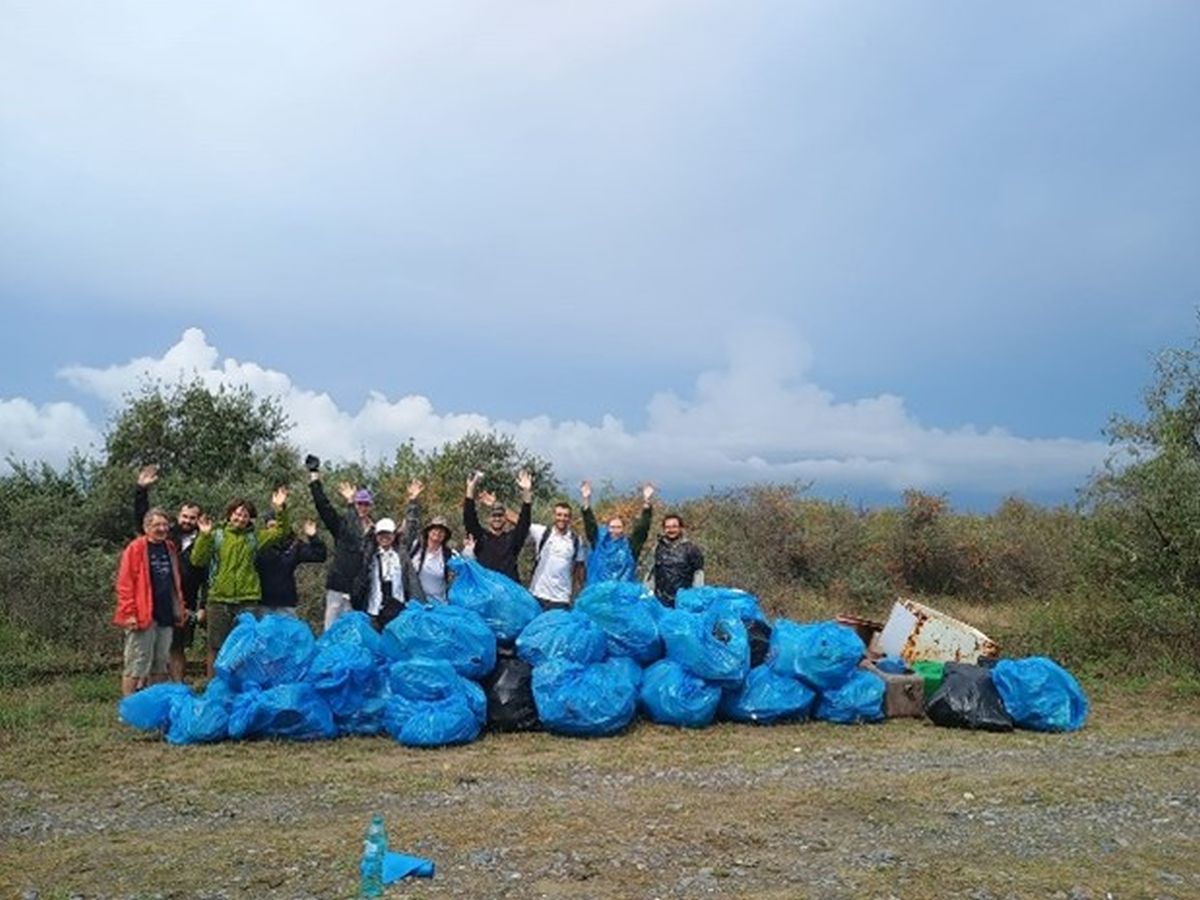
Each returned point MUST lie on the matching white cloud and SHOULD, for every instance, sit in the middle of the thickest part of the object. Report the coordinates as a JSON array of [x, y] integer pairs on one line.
[[757, 419], [43, 433]]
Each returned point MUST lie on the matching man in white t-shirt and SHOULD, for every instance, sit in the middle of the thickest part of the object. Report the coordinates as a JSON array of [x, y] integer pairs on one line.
[[558, 566]]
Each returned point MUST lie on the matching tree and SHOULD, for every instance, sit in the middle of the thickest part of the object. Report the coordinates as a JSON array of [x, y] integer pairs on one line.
[[195, 433], [499, 458], [209, 445], [1145, 504]]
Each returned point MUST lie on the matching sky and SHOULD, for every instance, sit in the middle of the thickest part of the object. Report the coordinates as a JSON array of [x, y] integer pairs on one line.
[[869, 246]]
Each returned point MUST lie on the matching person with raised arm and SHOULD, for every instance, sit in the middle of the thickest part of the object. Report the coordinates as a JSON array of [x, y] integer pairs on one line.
[[351, 529], [150, 603], [182, 534], [428, 548], [277, 565], [495, 547], [614, 554], [228, 551]]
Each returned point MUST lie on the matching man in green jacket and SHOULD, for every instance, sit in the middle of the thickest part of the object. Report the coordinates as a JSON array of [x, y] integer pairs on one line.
[[228, 552]]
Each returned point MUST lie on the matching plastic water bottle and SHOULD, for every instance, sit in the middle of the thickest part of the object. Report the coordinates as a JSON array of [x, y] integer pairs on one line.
[[370, 870]]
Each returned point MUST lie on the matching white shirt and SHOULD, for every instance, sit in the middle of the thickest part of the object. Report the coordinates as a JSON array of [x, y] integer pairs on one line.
[[552, 577], [384, 567], [432, 574]]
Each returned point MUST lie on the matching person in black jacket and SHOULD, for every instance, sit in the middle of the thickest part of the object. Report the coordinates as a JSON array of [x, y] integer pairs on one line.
[[678, 563], [351, 530], [194, 579], [496, 548], [276, 564], [387, 578]]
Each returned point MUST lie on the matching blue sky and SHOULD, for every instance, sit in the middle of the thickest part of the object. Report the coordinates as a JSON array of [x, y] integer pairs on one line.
[[869, 245]]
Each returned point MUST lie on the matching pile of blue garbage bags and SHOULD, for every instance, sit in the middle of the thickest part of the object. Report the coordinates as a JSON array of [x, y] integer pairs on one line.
[[490, 659]]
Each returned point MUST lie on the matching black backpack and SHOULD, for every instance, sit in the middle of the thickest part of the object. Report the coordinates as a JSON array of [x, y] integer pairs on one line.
[[542, 543]]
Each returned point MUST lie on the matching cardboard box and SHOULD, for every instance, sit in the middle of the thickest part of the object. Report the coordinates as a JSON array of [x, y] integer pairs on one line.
[[904, 695]]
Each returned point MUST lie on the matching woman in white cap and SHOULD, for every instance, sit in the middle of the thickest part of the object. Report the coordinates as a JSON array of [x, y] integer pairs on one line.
[[387, 578], [430, 550]]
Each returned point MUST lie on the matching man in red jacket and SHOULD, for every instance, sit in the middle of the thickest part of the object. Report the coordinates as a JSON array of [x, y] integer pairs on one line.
[[149, 602]]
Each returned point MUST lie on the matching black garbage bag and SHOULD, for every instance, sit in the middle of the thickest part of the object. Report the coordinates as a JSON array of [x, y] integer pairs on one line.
[[509, 690], [968, 698], [759, 633]]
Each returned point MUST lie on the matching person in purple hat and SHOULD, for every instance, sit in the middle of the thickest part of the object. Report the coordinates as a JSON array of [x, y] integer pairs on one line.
[[352, 537]]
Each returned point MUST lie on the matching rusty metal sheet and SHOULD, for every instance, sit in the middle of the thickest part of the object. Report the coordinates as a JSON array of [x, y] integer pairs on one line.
[[918, 632]]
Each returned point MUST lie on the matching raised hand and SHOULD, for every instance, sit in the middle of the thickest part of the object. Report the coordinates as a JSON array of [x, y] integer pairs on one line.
[[647, 492], [585, 491], [524, 481], [473, 479], [205, 524], [147, 475], [279, 498], [487, 498], [346, 489], [310, 528], [414, 489]]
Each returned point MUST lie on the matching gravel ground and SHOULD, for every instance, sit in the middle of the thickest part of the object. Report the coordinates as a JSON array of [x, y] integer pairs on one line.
[[899, 810]]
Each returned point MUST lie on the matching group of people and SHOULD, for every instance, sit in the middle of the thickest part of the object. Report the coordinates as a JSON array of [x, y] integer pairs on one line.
[[175, 575]]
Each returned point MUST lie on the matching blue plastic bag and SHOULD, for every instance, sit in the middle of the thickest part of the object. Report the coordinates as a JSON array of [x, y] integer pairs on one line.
[[265, 652], [421, 680], [292, 711], [150, 709], [366, 720], [441, 631], [401, 865], [611, 559], [670, 695], [628, 669], [628, 616], [203, 719], [432, 723], [767, 697], [345, 675], [354, 627], [740, 603], [892, 665], [1040, 694], [712, 645], [859, 699], [561, 634], [505, 605], [823, 655], [584, 700]]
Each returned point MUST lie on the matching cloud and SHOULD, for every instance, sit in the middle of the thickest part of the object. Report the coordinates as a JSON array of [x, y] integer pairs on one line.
[[756, 419], [46, 433]]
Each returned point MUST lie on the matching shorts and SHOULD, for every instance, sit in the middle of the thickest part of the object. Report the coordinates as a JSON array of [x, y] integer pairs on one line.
[[222, 617], [147, 651]]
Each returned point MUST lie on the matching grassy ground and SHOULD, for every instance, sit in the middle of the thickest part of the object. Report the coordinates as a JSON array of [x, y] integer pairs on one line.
[[902, 809]]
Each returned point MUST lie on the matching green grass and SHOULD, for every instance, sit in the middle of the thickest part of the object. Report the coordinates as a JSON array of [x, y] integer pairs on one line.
[[141, 817]]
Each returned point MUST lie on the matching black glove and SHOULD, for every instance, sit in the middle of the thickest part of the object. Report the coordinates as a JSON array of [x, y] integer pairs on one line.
[[312, 463]]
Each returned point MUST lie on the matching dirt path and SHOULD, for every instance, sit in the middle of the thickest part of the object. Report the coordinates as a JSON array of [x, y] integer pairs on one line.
[[898, 810]]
